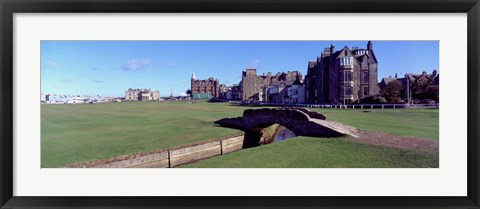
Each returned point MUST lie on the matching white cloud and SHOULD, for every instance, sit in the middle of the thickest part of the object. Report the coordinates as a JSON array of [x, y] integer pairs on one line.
[[136, 65], [50, 64], [254, 63], [66, 81]]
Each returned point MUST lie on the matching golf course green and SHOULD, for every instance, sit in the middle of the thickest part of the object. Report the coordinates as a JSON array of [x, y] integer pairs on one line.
[[84, 132]]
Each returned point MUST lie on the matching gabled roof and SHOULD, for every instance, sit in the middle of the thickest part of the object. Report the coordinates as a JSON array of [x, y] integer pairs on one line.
[[360, 58], [337, 53], [410, 76], [388, 80], [281, 83], [297, 82]]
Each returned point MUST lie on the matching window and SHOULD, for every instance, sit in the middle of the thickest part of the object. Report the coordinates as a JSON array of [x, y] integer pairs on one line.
[[365, 77], [347, 90], [362, 52], [346, 61], [348, 76], [365, 90]]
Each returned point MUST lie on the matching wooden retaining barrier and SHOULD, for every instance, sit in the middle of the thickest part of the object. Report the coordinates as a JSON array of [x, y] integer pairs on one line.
[[176, 157]]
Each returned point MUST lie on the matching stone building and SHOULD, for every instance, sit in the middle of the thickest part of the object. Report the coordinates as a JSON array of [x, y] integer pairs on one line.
[[255, 87], [142, 95], [277, 92], [296, 92], [342, 76], [223, 91], [235, 92], [209, 87]]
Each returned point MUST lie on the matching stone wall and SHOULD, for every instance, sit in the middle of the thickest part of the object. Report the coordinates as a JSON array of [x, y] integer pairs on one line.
[[300, 121]]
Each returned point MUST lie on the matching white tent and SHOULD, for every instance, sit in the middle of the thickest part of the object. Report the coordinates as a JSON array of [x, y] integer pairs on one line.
[[76, 100]]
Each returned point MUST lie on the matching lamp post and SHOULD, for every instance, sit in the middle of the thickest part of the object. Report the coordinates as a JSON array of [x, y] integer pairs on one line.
[[408, 89]]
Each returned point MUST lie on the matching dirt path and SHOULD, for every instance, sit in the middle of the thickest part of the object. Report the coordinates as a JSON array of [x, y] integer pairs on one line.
[[430, 146]]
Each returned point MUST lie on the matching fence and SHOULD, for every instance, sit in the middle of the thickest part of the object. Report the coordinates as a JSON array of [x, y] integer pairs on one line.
[[355, 106]]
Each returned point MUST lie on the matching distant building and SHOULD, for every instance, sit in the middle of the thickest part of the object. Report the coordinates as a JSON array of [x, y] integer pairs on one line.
[[203, 89], [108, 98], [296, 92], [277, 92], [142, 95], [343, 76], [255, 87], [223, 91], [77, 100], [235, 92]]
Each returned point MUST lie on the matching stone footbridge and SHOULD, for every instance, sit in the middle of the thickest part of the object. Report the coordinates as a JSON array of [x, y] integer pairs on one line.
[[300, 121]]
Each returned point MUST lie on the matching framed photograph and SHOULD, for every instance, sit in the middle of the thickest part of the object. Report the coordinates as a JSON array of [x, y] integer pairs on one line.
[[195, 104]]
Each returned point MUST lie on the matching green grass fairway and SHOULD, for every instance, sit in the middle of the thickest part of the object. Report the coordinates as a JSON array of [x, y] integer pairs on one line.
[[310, 152], [74, 133], [405, 122], [83, 132]]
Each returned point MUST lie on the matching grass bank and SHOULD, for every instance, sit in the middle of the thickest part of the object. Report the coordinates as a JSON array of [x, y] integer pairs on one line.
[[405, 122], [311, 152]]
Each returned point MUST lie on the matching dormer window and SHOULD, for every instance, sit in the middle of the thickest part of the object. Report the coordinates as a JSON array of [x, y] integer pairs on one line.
[[361, 52]]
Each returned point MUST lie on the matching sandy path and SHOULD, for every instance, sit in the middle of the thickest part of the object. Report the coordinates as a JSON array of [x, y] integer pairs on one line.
[[430, 146]]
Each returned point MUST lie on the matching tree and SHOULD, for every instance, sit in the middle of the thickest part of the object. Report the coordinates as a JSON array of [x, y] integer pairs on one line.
[[420, 88], [188, 92], [394, 91], [432, 92]]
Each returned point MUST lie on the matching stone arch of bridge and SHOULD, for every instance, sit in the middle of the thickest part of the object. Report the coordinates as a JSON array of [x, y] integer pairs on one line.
[[253, 135], [301, 122]]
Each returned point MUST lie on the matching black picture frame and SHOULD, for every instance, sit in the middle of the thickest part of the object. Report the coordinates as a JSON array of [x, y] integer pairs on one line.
[[10, 7]]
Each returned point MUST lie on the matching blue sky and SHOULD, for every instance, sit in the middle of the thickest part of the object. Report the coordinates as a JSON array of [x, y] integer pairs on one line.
[[108, 68]]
